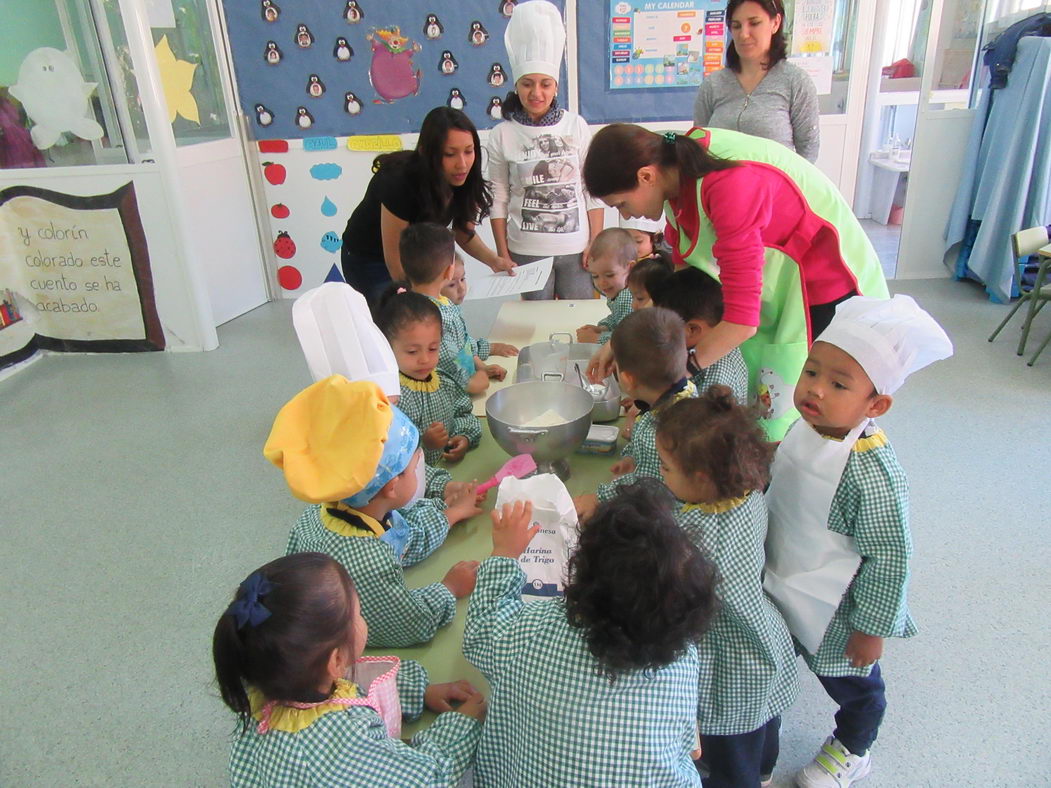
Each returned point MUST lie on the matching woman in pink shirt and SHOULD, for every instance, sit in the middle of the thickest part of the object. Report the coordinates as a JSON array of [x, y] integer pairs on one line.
[[763, 221]]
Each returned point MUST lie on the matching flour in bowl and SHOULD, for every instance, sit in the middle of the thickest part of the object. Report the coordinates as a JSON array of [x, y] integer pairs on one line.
[[549, 418]]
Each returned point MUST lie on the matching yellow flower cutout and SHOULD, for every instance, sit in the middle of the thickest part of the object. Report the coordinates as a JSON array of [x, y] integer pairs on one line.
[[177, 78]]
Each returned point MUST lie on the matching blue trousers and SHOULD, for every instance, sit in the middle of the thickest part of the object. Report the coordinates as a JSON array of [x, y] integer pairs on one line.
[[738, 761], [367, 275], [862, 703]]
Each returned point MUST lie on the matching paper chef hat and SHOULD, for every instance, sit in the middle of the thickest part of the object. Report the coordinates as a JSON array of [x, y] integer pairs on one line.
[[535, 39], [340, 440], [338, 337], [889, 338], [642, 224]]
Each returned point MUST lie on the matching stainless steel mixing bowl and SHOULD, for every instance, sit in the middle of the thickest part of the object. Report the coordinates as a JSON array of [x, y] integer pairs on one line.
[[511, 409]]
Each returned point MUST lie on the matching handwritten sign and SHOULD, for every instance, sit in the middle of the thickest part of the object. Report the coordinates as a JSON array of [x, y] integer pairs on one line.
[[81, 268], [374, 142]]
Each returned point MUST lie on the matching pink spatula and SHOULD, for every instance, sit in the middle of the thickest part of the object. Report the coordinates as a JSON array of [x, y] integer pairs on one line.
[[519, 466]]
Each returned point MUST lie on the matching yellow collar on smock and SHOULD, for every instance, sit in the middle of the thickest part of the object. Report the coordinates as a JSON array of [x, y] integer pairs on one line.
[[432, 384], [292, 720], [716, 507], [343, 528]]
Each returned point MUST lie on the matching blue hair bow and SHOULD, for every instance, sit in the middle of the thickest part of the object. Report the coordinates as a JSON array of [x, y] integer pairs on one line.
[[247, 608]]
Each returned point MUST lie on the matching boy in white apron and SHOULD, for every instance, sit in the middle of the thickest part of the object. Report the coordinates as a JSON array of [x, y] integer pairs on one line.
[[838, 544]]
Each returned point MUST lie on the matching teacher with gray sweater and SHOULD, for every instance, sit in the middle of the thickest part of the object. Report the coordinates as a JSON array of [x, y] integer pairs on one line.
[[760, 93]]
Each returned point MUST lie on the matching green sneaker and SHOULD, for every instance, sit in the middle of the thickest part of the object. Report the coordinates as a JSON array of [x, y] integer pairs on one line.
[[834, 766]]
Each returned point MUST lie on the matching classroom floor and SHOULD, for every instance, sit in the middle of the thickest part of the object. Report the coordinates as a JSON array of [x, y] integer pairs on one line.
[[135, 497]]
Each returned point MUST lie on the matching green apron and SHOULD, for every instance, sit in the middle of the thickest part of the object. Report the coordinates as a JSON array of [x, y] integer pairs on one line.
[[776, 353]]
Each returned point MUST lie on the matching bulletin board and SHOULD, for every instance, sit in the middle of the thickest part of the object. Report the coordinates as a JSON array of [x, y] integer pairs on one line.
[[651, 58], [345, 67]]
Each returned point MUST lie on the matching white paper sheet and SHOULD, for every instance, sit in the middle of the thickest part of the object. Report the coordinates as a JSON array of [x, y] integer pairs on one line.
[[527, 279]]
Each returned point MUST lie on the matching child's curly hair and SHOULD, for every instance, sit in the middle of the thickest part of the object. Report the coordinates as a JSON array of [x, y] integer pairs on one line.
[[637, 586], [715, 435]]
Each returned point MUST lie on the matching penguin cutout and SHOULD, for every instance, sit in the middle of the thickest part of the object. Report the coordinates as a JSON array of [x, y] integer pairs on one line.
[[448, 64], [496, 76], [263, 116], [432, 28], [496, 108], [351, 104], [303, 118], [315, 87], [353, 13], [478, 35], [507, 7], [456, 99], [342, 50], [270, 10], [273, 53], [303, 37]]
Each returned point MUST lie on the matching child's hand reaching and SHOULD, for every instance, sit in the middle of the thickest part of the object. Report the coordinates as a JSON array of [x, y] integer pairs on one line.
[[623, 466], [478, 383], [474, 706], [586, 505], [456, 448], [589, 334], [513, 529], [495, 372], [441, 697], [863, 649], [502, 349], [460, 579], [461, 504], [435, 436]]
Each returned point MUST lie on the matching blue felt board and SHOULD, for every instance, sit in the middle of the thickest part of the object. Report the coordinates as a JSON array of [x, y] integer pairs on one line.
[[283, 88], [599, 103]]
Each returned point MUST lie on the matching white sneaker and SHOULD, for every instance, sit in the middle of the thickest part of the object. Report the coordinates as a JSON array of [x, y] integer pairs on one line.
[[834, 766]]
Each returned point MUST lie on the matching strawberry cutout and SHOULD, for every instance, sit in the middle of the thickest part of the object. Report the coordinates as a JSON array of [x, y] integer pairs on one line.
[[284, 246], [274, 173], [280, 211]]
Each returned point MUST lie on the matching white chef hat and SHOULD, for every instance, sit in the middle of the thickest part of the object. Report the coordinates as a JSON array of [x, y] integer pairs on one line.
[[535, 39], [338, 337], [889, 338], [642, 224]]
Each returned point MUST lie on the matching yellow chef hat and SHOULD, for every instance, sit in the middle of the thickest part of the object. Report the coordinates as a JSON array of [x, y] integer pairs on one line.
[[331, 437]]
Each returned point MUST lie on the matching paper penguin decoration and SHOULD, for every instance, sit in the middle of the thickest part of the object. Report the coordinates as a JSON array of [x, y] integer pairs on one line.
[[447, 64], [507, 7], [263, 116], [303, 118], [304, 39], [55, 97], [478, 34], [432, 28], [456, 99], [272, 55], [496, 76], [342, 50], [270, 10], [351, 104], [496, 108], [353, 13], [315, 87]]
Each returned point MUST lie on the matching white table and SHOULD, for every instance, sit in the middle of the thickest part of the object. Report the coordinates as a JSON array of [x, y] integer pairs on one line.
[[522, 323]]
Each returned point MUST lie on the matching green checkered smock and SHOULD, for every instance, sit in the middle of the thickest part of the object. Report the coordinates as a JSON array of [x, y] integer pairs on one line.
[[396, 615], [448, 404], [642, 447], [456, 343], [871, 504], [554, 719], [619, 308], [728, 371], [748, 663], [350, 747]]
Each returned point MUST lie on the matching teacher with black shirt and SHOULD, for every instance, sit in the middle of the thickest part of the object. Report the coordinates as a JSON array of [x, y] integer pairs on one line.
[[440, 181]]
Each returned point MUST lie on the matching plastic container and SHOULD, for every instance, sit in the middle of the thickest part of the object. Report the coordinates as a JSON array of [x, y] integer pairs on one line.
[[601, 439]]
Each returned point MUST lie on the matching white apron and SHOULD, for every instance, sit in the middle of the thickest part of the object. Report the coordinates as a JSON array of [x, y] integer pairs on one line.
[[808, 567]]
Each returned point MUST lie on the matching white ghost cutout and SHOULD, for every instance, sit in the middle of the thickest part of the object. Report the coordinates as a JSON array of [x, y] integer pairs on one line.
[[55, 97]]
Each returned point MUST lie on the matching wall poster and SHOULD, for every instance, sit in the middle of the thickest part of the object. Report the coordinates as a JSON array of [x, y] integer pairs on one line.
[[76, 275], [665, 43]]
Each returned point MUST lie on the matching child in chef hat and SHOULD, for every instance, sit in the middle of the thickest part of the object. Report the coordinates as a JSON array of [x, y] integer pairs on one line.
[[838, 547], [355, 458]]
